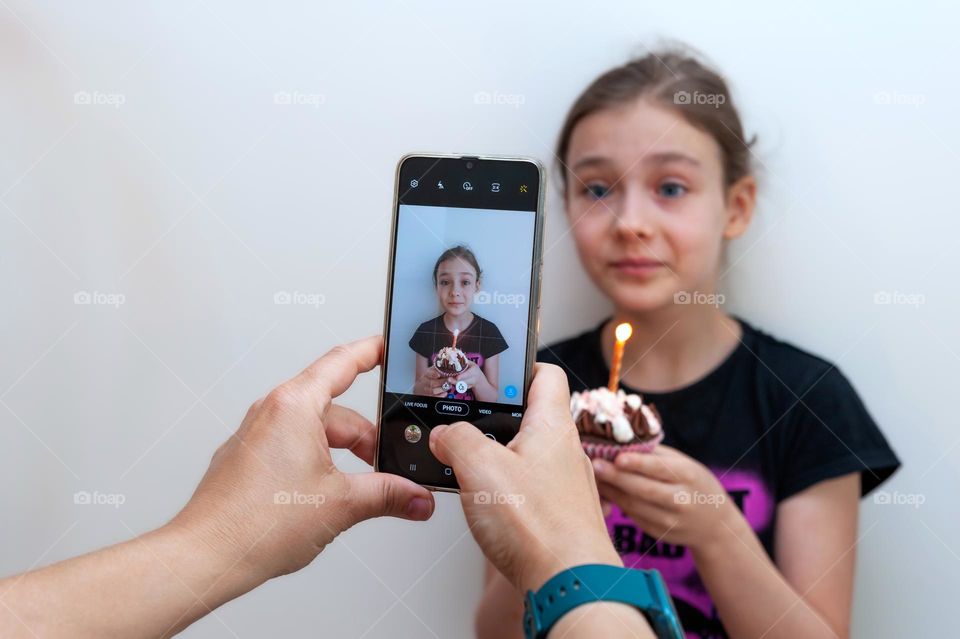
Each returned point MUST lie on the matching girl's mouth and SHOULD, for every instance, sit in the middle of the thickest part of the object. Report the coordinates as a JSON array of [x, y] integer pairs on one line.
[[636, 266]]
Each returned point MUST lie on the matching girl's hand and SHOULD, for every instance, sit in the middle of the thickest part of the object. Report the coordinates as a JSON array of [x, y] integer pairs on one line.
[[472, 375], [430, 384], [670, 495]]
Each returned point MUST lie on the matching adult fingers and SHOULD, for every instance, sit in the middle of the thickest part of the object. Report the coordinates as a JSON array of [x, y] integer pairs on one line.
[[382, 494], [548, 401], [346, 428], [606, 507], [547, 419], [463, 447], [335, 371]]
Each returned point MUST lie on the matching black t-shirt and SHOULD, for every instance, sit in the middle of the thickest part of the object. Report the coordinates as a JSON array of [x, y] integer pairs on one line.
[[479, 341], [769, 421]]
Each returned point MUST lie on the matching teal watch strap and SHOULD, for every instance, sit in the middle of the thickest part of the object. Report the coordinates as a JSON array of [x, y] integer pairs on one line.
[[590, 583]]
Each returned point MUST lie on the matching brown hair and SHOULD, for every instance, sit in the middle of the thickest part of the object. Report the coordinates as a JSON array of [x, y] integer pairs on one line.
[[676, 79], [459, 251]]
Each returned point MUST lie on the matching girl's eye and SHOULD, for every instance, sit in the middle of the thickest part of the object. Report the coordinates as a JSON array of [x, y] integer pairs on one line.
[[597, 191], [444, 282], [465, 283], [671, 189]]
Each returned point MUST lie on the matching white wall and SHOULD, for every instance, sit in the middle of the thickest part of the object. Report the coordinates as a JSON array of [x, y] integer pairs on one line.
[[199, 198]]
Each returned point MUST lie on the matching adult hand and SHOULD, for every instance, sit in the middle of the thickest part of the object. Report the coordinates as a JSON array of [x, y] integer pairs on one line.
[[531, 505], [272, 491], [271, 500]]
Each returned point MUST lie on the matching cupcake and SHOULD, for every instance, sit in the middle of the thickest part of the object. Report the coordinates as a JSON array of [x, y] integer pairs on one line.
[[450, 361], [611, 423]]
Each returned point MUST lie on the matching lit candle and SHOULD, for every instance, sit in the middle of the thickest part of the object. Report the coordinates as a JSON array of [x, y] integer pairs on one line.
[[456, 332], [622, 333]]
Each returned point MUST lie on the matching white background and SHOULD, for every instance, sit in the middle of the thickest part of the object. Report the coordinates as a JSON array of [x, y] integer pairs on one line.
[[201, 197], [497, 239]]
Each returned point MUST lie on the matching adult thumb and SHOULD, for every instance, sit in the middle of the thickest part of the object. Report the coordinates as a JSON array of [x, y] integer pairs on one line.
[[385, 495], [463, 447]]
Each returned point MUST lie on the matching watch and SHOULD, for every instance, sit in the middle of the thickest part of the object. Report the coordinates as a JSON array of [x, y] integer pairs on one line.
[[590, 583]]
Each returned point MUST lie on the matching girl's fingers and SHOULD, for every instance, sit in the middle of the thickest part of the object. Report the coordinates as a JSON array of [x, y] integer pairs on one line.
[[646, 514], [649, 465], [638, 486]]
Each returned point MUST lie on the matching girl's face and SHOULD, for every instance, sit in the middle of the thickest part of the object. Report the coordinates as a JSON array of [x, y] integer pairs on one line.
[[647, 204], [456, 285]]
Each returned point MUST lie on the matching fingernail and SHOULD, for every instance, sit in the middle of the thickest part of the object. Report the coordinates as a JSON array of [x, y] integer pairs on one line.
[[418, 509], [438, 429], [600, 466]]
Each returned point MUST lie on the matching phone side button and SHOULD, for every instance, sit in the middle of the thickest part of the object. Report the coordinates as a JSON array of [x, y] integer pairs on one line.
[[456, 409]]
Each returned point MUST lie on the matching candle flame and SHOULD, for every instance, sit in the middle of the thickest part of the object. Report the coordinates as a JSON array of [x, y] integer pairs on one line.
[[623, 332]]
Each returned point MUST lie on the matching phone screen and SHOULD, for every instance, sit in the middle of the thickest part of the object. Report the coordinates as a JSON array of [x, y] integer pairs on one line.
[[462, 305]]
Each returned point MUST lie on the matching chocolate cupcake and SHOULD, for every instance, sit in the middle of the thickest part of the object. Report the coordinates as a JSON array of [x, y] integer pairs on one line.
[[611, 423], [450, 361]]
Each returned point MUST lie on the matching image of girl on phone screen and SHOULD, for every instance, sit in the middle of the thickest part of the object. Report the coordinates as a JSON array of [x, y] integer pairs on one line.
[[468, 345]]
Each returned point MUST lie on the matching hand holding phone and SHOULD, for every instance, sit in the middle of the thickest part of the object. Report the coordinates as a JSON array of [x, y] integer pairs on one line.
[[525, 502], [462, 305]]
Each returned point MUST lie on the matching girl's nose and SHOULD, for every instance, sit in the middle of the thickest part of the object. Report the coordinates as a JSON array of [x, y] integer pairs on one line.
[[633, 218]]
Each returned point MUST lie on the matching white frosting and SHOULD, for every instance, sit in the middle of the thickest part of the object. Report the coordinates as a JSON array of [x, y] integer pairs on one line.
[[607, 408], [451, 356], [622, 432], [652, 422]]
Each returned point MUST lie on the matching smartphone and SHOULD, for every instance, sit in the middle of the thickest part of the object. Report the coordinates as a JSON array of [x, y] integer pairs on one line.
[[462, 309]]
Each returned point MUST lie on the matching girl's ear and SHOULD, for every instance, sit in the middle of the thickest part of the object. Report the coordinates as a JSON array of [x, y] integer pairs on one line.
[[741, 202]]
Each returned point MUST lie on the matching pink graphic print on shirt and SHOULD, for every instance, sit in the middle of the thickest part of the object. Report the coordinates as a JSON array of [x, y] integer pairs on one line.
[[675, 562]]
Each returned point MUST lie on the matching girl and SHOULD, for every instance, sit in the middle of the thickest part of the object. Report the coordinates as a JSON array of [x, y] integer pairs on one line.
[[456, 278], [749, 510]]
